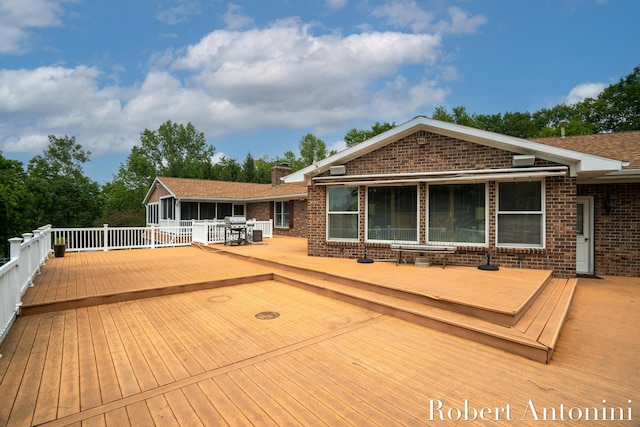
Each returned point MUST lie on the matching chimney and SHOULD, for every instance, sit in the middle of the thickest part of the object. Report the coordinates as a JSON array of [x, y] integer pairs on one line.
[[279, 171], [563, 124]]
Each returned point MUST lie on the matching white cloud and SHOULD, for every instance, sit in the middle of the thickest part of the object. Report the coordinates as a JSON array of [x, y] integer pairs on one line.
[[409, 14], [176, 11], [583, 91], [18, 17], [336, 4], [235, 19], [230, 82]]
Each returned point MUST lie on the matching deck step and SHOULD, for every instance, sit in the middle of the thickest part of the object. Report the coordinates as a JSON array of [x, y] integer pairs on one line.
[[507, 318], [533, 336]]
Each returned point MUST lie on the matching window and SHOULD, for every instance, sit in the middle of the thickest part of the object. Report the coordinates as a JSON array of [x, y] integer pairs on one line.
[[207, 210], [457, 213], [152, 213], [238, 210], [392, 213], [520, 214], [282, 214], [223, 210], [342, 221], [168, 208], [188, 210]]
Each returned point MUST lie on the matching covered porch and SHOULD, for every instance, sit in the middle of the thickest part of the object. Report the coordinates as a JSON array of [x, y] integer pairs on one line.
[[171, 336]]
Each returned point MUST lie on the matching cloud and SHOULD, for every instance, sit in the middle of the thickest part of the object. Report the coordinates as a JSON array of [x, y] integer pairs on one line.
[[409, 14], [583, 91], [174, 12], [336, 4], [18, 17], [282, 76], [235, 19]]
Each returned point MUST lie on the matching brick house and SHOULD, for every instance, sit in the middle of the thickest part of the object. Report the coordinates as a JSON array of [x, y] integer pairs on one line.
[[171, 200], [571, 205]]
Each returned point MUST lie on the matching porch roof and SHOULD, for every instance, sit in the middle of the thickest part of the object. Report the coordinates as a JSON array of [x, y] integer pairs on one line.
[[203, 189]]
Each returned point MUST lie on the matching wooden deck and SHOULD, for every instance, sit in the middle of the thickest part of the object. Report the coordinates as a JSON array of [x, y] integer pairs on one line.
[[203, 358]]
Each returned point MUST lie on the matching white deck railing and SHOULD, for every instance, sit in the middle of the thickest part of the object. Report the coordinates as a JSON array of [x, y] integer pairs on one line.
[[108, 238], [28, 254], [209, 232]]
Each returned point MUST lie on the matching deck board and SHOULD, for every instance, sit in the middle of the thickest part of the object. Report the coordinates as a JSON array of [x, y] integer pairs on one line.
[[202, 357]]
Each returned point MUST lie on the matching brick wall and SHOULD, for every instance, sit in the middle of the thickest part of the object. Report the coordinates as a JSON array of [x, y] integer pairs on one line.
[[442, 153], [262, 211], [617, 232]]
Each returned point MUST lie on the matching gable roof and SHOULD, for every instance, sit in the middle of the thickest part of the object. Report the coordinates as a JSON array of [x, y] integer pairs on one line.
[[203, 189], [583, 164]]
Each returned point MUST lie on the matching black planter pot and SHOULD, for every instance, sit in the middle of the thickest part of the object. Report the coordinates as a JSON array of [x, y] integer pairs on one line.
[[59, 250]]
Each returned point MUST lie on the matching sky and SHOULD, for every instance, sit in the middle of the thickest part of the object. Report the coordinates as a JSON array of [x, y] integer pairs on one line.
[[255, 76]]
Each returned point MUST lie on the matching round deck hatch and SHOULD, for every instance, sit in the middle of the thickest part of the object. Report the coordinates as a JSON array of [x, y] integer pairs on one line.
[[267, 315]]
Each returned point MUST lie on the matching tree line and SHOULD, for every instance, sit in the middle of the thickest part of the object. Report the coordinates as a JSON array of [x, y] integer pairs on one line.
[[53, 188]]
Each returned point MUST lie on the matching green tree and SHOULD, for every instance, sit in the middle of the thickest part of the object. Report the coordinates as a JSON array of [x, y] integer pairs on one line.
[[249, 173], [176, 150], [356, 136], [441, 113], [617, 108], [311, 149], [15, 202], [63, 195], [227, 169]]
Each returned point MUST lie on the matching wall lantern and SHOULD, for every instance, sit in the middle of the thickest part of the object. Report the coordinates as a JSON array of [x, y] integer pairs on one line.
[[610, 202]]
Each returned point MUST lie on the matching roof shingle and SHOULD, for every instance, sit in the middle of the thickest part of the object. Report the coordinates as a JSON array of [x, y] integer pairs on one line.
[[623, 146]]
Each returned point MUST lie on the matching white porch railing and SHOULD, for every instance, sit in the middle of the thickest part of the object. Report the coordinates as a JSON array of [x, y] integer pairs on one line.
[[108, 238], [27, 255], [209, 232]]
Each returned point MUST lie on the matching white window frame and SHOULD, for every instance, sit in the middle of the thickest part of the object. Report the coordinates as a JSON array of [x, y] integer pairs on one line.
[[163, 211], [541, 213], [153, 213], [366, 214], [279, 224], [329, 213], [429, 238]]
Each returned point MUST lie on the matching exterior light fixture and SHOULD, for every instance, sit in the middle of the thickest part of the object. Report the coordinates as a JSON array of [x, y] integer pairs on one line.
[[610, 202]]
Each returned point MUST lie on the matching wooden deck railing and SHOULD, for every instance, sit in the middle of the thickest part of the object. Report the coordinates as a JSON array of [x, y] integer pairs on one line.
[[28, 254]]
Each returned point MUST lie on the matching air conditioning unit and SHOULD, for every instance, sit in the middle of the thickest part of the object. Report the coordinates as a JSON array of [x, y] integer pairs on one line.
[[523, 160], [338, 170]]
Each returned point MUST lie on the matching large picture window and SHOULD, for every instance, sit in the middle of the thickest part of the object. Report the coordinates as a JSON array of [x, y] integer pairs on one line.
[[281, 214], [457, 213], [392, 213], [342, 221], [520, 214]]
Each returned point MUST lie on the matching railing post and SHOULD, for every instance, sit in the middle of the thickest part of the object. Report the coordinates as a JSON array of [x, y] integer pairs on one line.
[[105, 237], [14, 249], [27, 238], [153, 236]]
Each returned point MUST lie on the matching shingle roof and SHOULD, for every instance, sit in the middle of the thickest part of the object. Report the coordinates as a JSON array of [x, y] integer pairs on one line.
[[623, 146], [203, 188]]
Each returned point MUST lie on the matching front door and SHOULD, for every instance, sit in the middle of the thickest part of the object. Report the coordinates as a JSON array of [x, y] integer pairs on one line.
[[584, 228]]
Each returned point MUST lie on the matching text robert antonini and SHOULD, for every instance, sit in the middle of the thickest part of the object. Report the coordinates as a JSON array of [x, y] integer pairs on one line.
[[440, 410]]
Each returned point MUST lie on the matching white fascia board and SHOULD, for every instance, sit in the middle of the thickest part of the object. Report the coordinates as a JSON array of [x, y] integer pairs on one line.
[[582, 162], [296, 196], [577, 161], [305, 174]]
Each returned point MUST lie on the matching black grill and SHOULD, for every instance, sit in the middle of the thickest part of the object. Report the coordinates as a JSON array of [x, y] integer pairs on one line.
[[235, 230]]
